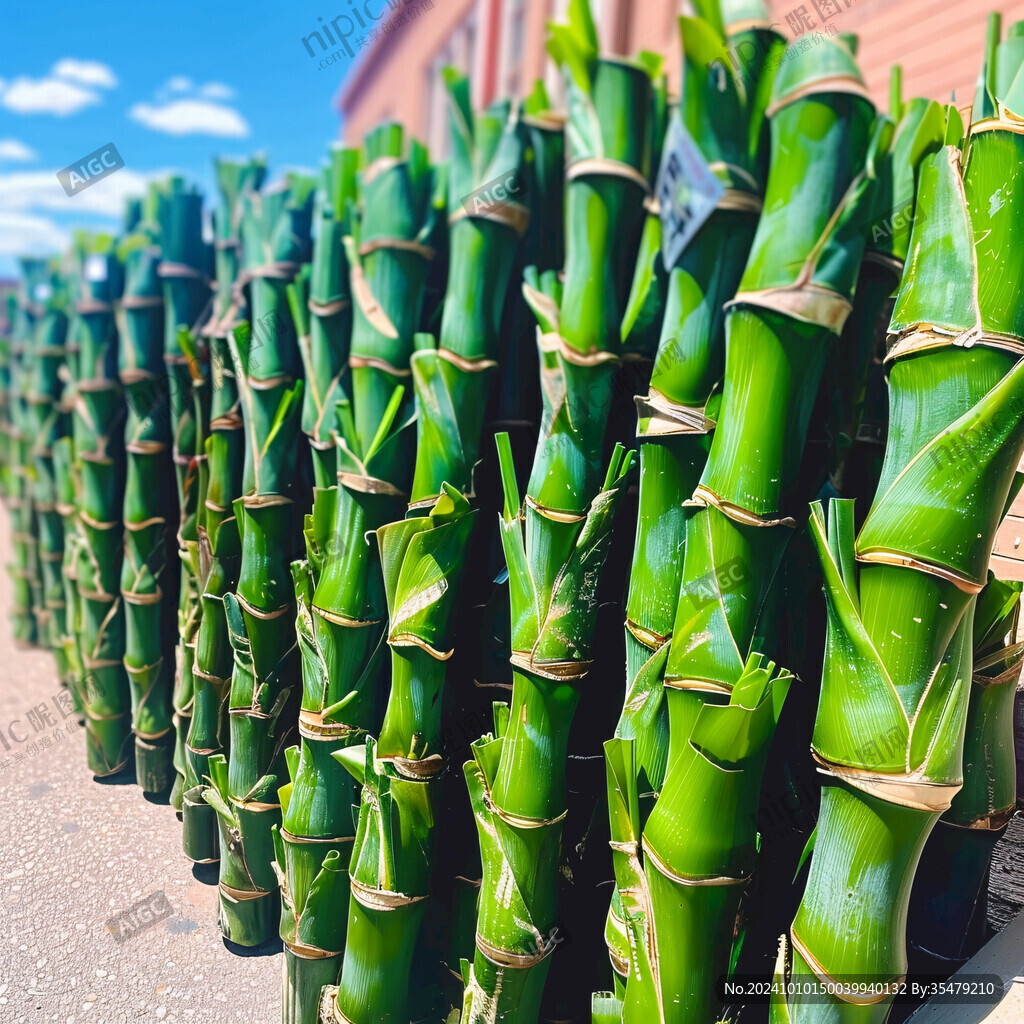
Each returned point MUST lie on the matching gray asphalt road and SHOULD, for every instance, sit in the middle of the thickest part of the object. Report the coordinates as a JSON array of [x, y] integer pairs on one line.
[[75, 853]]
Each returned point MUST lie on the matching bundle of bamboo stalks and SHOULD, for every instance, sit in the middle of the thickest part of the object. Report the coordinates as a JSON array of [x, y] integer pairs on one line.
[[252, 480]]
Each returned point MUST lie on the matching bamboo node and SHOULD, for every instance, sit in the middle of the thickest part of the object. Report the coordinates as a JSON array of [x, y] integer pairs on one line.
[[603, 166], [380, 899]]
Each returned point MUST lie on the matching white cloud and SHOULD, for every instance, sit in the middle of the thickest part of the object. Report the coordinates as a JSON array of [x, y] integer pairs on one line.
[[217, 91], [46, 96], [15, 149], [179, 83], [191, 117], [25, 235], [32, 191], [70, 87], [88, 72]]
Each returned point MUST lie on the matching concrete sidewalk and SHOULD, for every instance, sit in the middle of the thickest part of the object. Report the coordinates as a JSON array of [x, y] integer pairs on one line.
[[73, 854]]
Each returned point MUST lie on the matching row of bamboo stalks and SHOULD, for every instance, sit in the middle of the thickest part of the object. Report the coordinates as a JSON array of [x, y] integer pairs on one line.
[[251, 481]]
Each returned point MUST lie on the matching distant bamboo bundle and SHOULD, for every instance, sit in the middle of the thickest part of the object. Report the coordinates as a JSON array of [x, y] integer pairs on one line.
[[49, 421], [24, 566], [99, 421], [264, 694], [339, 586], [184, 270], [219, 543], [148, 577]]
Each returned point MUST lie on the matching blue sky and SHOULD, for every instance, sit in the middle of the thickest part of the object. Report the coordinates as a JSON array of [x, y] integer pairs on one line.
[[171, 85]]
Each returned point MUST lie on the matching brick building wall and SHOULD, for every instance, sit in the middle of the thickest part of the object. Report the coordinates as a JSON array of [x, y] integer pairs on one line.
[[501, 43]]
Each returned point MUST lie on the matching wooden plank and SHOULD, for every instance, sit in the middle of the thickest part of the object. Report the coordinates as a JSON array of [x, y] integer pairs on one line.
[[1009, 541], [1007, 568], [1003, 956]]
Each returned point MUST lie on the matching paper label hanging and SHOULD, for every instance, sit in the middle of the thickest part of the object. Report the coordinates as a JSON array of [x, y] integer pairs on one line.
[[687, 191]]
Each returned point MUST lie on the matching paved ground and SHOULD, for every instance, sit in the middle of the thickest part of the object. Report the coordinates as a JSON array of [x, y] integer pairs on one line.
[[74, 853]]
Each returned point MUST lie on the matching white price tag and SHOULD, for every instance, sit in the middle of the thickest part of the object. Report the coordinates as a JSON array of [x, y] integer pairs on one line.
[[687, 190], [95, 267]]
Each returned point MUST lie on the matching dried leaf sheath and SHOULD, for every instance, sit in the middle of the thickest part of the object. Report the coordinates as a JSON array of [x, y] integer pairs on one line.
[[894, 700]]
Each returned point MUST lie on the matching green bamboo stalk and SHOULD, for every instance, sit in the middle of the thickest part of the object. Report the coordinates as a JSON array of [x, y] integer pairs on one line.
[[312, 844], [391, 863], [6, 426], [24, 566], [517, 780], [263, 696], [339, 587], [699, 842], [68, 487], [514, 408], [423, 559], [890, 727], [321, 304], [184, 272], [855, 367], [677, 415], [219, 542], [847, 434], [516, 394], [148, 580], [98, 434], [947, 921], [48, 422]]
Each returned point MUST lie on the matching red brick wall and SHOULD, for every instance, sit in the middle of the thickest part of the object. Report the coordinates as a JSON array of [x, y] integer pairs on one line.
[[939, 43], [391, 78]]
